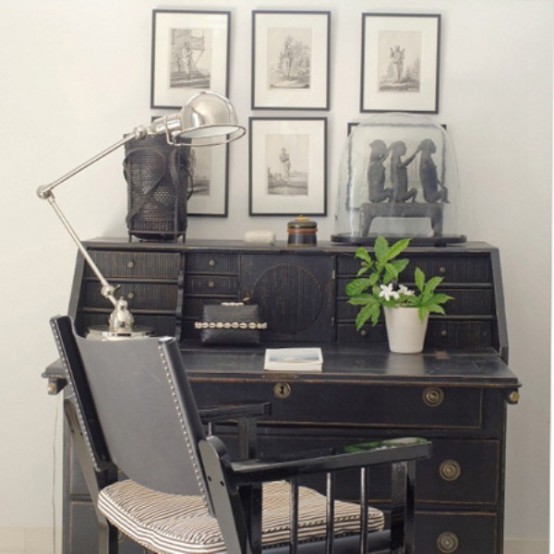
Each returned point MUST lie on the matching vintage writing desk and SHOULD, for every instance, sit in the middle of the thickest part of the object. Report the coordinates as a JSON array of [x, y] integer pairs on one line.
[[455, 393]]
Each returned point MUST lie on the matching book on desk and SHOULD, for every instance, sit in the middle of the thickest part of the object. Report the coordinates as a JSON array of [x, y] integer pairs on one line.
[[293, 359]]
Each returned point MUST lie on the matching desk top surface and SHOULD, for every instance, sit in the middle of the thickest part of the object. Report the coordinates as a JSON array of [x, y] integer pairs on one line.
[[356, 364]]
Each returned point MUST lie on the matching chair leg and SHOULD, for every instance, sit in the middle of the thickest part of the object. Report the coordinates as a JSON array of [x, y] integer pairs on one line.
[[108, 539], [402, 508]]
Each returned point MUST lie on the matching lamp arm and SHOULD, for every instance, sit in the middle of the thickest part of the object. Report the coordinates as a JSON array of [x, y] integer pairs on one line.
[[107, 289], [121, 319]]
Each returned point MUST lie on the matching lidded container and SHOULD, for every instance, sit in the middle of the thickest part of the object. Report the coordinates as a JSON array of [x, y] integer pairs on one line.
[[398, 178]]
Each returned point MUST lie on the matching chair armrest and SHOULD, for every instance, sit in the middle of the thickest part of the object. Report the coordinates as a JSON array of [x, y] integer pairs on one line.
[[330, 460], [55, 373], [225, 412]]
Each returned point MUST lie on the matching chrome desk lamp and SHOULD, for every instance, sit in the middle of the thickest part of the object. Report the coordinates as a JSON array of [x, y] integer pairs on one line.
[[207, 119]]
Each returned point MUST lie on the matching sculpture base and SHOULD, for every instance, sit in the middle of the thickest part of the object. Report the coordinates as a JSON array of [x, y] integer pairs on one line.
[[444, 240]]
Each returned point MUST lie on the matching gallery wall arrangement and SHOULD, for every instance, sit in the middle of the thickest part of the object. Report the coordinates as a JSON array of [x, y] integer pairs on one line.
[[291, 68]]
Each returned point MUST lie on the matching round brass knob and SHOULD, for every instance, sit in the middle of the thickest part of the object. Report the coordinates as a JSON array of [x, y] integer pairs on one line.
[[130, 264], [442, 270], [211, 262], [281, 390], [444, 333], [211, 284], [513, 398], [433, 397], [447, 542], [450, 470], [363, 332], [131, 295]]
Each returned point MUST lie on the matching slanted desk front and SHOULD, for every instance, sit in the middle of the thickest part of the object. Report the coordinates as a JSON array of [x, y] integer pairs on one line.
[[455, 393]]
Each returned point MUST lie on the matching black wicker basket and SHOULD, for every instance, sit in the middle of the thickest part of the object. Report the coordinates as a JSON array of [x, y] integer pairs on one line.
[[159, 177]]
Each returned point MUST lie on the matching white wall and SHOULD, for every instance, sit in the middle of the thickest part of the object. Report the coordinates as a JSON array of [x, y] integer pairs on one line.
[[75, 75]]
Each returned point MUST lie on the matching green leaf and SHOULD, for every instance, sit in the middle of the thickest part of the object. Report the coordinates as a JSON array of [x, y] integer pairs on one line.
[[400, 265], [433, 283], [441, 298], [370, 311], [361, 300], [363, 254], [419, 277], [381, 249], [357, 286], [436, 309], [397, 248]]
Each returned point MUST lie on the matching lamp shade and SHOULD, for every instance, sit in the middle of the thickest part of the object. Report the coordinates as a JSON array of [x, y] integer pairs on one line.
[[207, 119]]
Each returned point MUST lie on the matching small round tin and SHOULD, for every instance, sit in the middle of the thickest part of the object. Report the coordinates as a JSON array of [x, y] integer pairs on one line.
[[302, 231]]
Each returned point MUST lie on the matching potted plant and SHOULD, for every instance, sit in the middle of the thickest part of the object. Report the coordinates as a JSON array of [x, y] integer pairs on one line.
[[406, 310]]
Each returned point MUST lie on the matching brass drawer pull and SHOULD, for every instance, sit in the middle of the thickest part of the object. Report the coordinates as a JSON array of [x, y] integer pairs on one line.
[[131, 264], [442, 270], [211, 284], [444, 333], [211, 262], [131, 295], [447, 542], [433, 397], [281, 390], [450, 470]]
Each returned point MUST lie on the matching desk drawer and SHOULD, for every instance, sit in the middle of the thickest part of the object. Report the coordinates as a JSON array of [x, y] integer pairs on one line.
[[145, 296], [211, 284], [152, 265], [453, 268], [457, 533], [442, 333], [212, 262], [466, 302], [353, 406]]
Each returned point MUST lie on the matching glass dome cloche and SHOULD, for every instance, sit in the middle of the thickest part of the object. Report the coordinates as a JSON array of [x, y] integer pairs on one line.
[[398, 178]]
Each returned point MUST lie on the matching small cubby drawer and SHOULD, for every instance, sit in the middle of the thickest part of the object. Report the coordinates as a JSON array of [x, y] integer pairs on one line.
[[127, 264], [142, 296], [212, 262], [453, 268], [211, 284], [466, 301]]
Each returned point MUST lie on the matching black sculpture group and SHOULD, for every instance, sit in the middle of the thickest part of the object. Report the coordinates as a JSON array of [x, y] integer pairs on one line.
[[433, 189]]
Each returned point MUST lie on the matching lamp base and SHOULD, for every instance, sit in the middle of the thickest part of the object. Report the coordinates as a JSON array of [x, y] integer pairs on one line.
[[102, 332]]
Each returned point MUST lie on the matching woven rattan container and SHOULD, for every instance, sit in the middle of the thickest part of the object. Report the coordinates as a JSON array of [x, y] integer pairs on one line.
[[159, 177]]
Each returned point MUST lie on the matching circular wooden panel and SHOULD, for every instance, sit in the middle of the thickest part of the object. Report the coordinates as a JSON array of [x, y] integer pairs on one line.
[[276, 285]]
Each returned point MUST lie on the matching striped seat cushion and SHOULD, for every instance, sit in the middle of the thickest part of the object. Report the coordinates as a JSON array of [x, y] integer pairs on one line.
[[173, 524]]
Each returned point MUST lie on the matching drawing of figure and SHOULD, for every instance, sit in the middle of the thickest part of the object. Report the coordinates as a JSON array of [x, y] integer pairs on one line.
[[433, 189], [284, 158], [186, 62], [376, 173], [397, 61], [399, 172]]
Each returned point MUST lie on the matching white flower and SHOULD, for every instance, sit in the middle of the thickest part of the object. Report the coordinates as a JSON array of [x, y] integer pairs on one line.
[[387, 292], [402, 289]]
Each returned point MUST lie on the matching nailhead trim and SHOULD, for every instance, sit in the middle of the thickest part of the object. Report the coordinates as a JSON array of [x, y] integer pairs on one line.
[[229, 325], [80, 417], [184, 427]]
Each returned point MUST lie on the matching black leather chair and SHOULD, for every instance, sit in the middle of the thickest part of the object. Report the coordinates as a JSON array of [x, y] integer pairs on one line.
[[131, 409]]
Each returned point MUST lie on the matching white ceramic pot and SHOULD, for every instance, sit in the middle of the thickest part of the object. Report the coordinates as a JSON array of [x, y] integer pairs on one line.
[[406, 332]]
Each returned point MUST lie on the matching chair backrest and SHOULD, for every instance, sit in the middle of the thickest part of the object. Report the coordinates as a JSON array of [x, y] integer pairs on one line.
[[139, 394]]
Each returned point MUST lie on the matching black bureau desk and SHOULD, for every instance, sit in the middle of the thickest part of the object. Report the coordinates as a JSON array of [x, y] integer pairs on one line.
[[456, 392]]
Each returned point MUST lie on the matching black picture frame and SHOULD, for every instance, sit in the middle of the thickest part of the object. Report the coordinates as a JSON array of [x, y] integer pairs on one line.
[[287, 166], [297, 42], [190, 54], [400, 62]]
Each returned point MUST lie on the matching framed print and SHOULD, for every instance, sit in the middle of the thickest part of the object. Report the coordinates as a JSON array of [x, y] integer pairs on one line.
[[400, 63], [210, 181], [190, 54], [288, 173], [290, 60]]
